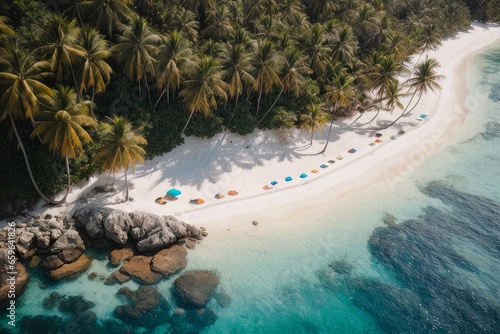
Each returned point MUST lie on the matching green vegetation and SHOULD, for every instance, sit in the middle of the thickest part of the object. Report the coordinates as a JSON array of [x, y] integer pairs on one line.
[[176, 67]]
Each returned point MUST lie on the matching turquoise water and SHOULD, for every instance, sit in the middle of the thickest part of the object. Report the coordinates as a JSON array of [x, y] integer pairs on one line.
[[436, 271]]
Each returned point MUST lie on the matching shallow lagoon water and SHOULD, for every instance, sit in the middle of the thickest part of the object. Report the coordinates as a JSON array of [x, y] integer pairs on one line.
[[436, 271]]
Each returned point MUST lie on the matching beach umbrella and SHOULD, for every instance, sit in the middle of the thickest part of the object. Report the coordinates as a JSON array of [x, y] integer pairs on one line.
[[197, 201], [219, 195], [352, 150], [274, 183], [174, 192], [232, 192], [288, 179], [303, 175]]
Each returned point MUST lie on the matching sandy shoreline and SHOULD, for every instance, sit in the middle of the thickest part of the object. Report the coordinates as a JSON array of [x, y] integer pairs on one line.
[[202, 168]]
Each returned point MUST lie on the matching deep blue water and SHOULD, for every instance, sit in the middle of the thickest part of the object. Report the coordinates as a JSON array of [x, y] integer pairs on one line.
[[423, 258]]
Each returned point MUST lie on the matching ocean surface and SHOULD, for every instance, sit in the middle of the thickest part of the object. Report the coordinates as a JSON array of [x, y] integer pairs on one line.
[[421, 257]]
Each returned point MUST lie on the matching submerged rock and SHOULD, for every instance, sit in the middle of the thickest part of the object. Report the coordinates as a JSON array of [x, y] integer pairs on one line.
[[40, 324], [75, 304], [195, 287], [139, 267], [192, 321]]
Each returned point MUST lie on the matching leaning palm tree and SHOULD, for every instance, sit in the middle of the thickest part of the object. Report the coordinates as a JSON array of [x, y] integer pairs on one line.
[[22, 90], [203, 87], [341, 94], [424, 79], [174, 57], [59, 37], [385, 73], [61, 127], [315, 119], [136, 49], [121, 146], [266, 65], [95, 72]]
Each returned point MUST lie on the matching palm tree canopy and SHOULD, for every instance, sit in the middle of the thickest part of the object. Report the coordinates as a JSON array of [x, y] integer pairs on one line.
[[136, 49], [108, 15], [94, 71], [121, 144], [21, 83], [59, 36], [174, 56], [315, 118], [62, 125], [205, 85], [237, 66], [425, 77]]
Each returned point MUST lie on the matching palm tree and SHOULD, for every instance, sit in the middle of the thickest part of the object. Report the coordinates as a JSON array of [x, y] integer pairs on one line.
[[5, 29], [266, 66], [317, 45], [384, 73], [60, 37], [184, 21], [22, 90], [319, 10], [365, 22], [174, 56], [219, 23], [61, 127], [315, 119], [203, 87], [136, 49], [94, 71], [425, 78], [109, 15], [345, 45], [121, 146], [237, 71], [341, 94]]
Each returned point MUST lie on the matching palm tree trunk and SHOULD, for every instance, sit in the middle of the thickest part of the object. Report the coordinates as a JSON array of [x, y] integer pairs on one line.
[[69, 179], [32, 178], [403, 113], [258, 103], [161, 95], [360, 114], [126, 185], [147, 89], [76, 84], [271, 107], [189, 119], [234, 111], [329, 133], [373, 118], [312, 135]]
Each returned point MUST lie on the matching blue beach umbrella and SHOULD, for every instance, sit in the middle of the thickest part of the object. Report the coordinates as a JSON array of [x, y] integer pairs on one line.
[[274, 183], [288, 179], [303, 175], [174, 192]]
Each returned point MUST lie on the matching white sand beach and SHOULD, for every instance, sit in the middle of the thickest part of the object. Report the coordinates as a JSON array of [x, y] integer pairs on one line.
[[200, 168]]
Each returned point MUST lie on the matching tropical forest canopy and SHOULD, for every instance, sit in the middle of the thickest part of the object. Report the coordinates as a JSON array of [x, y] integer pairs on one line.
[[197, 67]]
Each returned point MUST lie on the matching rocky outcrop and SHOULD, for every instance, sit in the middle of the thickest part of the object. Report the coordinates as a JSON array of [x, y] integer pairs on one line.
[[118, 255], [70, 269], [151, 232], [170, 260], [7, 284], [71, 255], [195, 287], [117, 277], [192, 320], [69, 240], [139, 267]]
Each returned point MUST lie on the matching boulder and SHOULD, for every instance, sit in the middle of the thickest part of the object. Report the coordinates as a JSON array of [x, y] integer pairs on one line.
[[55, 233], [70, 255], [75, 304], [190, 243], [71, 269], [91, 219], [192, 321], [20, 281], [117, 277], [108, 188], [69, 240], [139, 267], [116, 226], [170, 260], [159, 239], [146, 307], [35, 261], [26, 238], [52, 262], [118, 255], [195, 287]]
